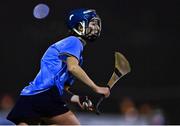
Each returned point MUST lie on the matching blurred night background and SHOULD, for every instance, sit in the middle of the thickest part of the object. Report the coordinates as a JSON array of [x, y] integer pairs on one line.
[[145, 31]]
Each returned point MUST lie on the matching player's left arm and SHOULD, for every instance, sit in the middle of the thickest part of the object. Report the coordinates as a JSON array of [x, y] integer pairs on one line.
[[69, 96]]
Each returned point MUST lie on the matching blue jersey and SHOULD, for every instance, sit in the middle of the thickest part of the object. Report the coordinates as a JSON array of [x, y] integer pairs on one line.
[[53, 69]]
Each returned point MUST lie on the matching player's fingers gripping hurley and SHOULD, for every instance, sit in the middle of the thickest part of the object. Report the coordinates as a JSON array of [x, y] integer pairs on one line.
[[122, 67], [104, 91]]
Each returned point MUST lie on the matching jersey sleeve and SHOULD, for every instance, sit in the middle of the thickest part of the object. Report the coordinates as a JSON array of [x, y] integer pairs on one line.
[[71, 47]]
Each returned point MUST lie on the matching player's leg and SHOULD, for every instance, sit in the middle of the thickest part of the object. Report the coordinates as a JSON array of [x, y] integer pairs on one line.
[[52, 108], [67, 118], [23, 124]]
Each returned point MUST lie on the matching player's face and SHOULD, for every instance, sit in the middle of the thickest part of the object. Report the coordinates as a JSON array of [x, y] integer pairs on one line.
[[93, 29]]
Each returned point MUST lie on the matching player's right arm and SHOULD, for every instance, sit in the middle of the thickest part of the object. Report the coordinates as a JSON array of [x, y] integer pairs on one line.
[[78, 72]]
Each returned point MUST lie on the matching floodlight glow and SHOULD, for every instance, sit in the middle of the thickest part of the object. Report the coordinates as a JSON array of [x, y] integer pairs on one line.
[[41, 11]]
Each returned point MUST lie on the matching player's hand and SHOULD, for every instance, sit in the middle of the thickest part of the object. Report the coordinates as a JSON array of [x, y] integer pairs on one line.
[[103, 90], [85, 103]]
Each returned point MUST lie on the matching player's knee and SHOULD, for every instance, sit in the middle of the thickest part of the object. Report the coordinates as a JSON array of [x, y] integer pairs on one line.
[[75, 121], [23, 124], [67, 118]]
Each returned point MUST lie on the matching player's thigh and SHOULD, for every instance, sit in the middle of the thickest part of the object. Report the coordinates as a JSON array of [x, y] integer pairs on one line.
[[67, 118]]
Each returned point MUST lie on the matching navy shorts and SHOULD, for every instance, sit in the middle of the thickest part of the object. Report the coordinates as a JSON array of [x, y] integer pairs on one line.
[[31, 109]]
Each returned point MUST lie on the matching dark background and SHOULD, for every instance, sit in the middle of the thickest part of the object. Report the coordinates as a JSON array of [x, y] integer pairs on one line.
[[145, 31]]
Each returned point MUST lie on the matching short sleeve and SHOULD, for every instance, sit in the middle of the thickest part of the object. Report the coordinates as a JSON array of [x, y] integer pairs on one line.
[[71, 46]]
